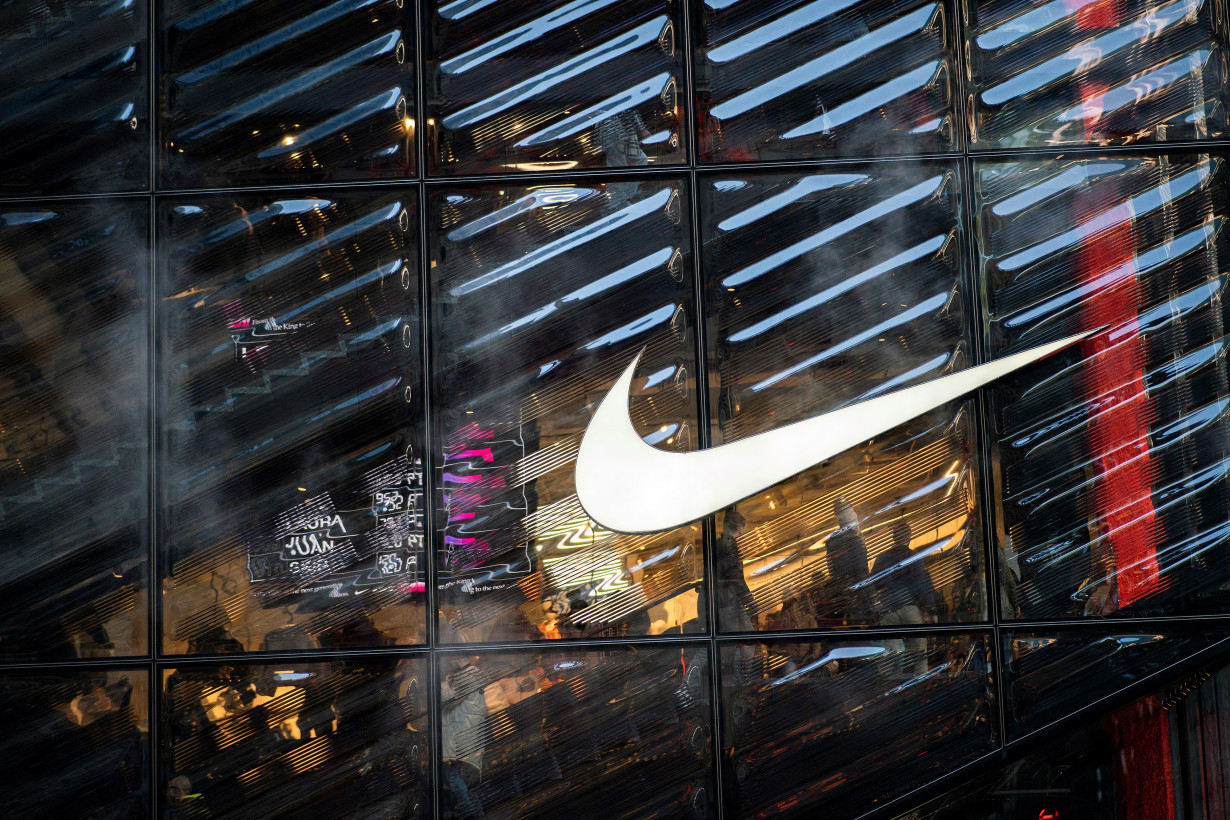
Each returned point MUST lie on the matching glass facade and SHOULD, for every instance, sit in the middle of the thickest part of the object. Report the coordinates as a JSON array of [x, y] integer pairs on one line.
[[306, 308]]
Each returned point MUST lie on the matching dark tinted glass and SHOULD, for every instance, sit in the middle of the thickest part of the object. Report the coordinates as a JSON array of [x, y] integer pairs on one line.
[[291, 481], [808, 78], [74, 405], [294, 739], [837, 726], [75, 743], [618, 732], [542, 295], [1053, 672], [1133, 763], [258, 91], [825, 290], [1113, 454], [74, 96], [1094, 71], [529, 85]]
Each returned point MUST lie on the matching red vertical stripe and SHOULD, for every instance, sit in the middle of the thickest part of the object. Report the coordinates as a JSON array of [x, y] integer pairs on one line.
[[1118, 417], [1114, 379], [1096, 15], [1144, 776]]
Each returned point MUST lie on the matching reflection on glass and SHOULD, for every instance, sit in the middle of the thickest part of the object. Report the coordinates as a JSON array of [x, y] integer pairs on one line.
[[75, 744], [541, 297], [838, 726], [1112, 456], [1092, 71], [292, 91], [292, 485], [1052, 673], [618, 732], [74, 427], [74, 97], [294, 739], [810, 78], [533, 86], [826, 290], [1160, 756]]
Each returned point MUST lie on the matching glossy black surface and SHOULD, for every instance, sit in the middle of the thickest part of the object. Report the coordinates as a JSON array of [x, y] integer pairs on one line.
[[264, 92], [824, 290], [293, 739], [619, 732], [1113, 454], [74, 96], [540, 297], [1161, 755], [813, 78], [76, 743], [533, 86], [292, 479], [74, 427], [1051, 673], [840, 725]]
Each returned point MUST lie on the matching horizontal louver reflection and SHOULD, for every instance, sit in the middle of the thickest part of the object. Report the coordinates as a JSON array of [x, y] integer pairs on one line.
[[74, 97], [258, 91], [74, 428], [1113, 454], [1094, 71], [541, 297], [838, 726], [827, 290], [621, 732], [814, 77], [533, 86], [340, 739], [292, 488]]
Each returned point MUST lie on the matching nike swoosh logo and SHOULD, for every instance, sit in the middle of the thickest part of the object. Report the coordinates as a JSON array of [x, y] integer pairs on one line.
[[632, 487]]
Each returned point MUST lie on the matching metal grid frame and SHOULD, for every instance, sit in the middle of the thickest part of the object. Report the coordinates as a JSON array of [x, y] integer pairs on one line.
[[156, 663]]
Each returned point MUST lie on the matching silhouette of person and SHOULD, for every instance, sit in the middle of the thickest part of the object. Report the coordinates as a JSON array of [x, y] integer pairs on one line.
[[905, 594], [736, 607]]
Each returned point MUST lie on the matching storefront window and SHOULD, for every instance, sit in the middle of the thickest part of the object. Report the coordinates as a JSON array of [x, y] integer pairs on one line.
[[308, 307]]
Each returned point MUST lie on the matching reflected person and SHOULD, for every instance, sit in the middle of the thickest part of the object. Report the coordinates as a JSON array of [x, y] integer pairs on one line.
[[736, 606], [845, 557], [463, 715], [904, 593], [619, 136]]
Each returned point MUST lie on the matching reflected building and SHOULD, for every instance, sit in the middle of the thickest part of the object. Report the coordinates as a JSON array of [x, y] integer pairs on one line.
[[307, 308]]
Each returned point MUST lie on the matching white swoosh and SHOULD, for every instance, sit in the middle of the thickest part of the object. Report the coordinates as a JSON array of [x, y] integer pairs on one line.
[[629, 486]]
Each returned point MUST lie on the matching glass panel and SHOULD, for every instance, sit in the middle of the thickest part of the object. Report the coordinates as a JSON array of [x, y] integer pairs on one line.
[[1112, 456], [291, 480], [75, 743], [1052, 673], [826, 290], [1094, 71], [838, 726], [346, 738], [74, 477], [811, 78], [1132, 764], [616, 732], [531, 85], [300, 91], [541, 297], [74, 97]]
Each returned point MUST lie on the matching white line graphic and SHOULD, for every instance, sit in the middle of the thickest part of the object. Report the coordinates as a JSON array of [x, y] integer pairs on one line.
[[629, 486]]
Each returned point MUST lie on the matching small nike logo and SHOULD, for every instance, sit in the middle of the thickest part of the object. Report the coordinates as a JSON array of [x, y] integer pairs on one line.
[[632, 487]]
